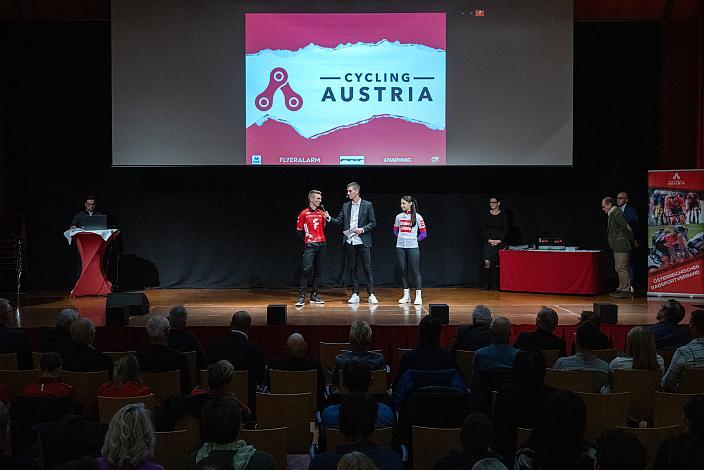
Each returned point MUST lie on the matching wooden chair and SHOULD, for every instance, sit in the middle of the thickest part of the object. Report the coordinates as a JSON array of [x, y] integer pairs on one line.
[[290, 410], [15, 381], [306, 381], [692, 380], [163, 384], [522, 435], [191, 358], [85, 388], [666, 355], [429, 444], [171, 449], [328, 351], [37, 359], [652, 438], [117, 355], [379, 385], [669, 409], [108, 406], [400, 352], [551, 355], [607, 355], [191, 425], [464, 363], [642, 384], [380, 436], [239, 385], [572, 380], [8, 361], [272, 441], [604, 411]]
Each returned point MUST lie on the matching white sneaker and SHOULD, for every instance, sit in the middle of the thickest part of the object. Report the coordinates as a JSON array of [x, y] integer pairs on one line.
[[419, 299], [354, 299], [406, 297], [372, 299]]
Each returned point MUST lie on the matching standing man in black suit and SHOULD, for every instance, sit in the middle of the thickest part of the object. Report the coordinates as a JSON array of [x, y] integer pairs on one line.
[[358, 220], [11, 340]]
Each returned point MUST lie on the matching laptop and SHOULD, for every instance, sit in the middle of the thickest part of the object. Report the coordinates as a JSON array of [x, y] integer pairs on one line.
[[94, 222]]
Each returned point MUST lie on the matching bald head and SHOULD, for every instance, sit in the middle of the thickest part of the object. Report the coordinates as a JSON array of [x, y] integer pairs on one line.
[[296, 345], [241, 321], [65, 318]]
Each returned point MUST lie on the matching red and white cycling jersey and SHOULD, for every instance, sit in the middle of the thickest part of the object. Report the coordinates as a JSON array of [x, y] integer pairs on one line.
[[312, 223]]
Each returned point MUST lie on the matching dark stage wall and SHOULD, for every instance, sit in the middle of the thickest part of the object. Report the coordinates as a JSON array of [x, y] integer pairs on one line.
[[234, 227]]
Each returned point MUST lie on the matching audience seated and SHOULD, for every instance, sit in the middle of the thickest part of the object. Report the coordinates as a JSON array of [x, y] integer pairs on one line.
[[489, 464], [242, 353], [585, 339], [220, 427], [69, 438], [499, 354], [668, 333], [58, 339], [50, 384], [184, 341], [474, 336], [158, 357], [557, 441], [220, 375], [125, 380], [356, 461], [520, 404], [475, 437], [81, 355], [12, 340], [428, 355], [685, 451], [360, 343], [129, 443], [297, 360], [618, 450], [640, 353], [689, 355], [542, 338], [358, 413], [8, 462], [602, 341]]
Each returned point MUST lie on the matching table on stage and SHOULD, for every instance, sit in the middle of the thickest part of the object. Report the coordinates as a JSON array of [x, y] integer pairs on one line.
[[552, 271], [91, 245]]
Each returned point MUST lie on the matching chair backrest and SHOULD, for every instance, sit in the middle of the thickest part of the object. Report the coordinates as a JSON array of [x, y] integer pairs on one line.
[[117, 355], [108, 406], [17, 380], [85, 388], [551, 355], [464, 364], [305, 381], [607, 355], [380, 436], [191, 425], [652, 438], [171, 449], [669, 408], [692, 380], [379, 385], [666, 355], [290, 410], [572, 380], [400, 352], [429, 444], [239, 385], [522, 435], [328, 351], [8, 361], [191, 359], [37, 359], [642, 384], [163, 384], [604, 412], [272, 441]]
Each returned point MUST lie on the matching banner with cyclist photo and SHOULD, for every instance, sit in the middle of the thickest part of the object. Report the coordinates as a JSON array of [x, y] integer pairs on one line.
[[676, 233]]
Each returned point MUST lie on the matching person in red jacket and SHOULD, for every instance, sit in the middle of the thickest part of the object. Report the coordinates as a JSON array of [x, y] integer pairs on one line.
[[310, 227], [126, 381], [50, 384]]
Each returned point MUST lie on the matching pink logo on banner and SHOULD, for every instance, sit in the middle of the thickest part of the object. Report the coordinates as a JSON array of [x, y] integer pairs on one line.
[[278, 79]]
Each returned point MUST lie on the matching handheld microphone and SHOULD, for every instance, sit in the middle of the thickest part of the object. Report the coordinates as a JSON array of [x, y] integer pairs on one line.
[[322, 207]]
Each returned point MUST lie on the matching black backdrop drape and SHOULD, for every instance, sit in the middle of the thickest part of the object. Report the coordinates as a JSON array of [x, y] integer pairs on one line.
[[234, 227]]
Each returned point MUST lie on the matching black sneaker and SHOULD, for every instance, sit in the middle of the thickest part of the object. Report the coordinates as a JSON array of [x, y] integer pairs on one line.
[[301, 301], [314, 299]]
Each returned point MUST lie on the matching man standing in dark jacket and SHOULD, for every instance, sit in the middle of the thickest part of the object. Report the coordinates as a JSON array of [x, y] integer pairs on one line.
[[621, 240]]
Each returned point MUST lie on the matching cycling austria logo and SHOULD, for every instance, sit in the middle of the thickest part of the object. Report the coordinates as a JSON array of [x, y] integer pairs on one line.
[[278, 80]]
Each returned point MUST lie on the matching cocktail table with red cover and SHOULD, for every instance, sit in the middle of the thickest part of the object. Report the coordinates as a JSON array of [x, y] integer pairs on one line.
[[91, 245]]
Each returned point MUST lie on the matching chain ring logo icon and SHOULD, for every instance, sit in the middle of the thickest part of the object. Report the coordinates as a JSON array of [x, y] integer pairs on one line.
[[278, 79]]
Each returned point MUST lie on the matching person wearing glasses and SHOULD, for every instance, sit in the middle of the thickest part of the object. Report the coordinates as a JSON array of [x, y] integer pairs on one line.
[[495, 227]]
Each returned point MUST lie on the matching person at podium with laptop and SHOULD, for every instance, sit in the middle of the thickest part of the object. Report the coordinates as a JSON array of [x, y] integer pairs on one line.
[[82, 217]]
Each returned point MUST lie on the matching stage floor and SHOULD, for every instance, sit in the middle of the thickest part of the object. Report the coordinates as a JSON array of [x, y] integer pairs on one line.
[[214, 307]]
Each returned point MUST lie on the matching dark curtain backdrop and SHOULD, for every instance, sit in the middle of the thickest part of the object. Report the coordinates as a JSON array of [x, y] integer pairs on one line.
[[234, 227]]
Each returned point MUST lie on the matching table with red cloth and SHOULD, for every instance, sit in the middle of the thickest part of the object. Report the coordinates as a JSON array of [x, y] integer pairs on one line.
[[552, 271], [91, 245]]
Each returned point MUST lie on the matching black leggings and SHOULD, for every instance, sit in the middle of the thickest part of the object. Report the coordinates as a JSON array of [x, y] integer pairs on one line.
[[409, 260]]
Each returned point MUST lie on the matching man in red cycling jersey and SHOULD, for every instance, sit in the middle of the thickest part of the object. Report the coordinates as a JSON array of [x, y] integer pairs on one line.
[[310, 227]]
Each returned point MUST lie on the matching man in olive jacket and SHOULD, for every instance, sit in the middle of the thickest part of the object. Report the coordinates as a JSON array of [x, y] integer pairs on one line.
[[620, 237]]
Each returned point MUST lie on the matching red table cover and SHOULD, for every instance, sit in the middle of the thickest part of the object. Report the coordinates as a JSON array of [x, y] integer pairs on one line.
[[93, 281]]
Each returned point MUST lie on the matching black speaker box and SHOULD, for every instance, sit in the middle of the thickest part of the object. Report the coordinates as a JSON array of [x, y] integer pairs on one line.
[[136, 303], [608, 313], [117, 316], [441, 311], [276, 314]]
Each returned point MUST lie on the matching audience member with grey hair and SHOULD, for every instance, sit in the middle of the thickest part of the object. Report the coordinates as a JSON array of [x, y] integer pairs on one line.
[[158, 357], [356, 461], [11, 340], [130, 441], [360, 345], [126, 381], [489, 464], [59, 339], [297, 360], [182, 340], [474, 336], [542, 338], [82, 356]]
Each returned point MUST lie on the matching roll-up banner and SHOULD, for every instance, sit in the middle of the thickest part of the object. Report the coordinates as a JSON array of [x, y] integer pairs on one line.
[[675, 233]]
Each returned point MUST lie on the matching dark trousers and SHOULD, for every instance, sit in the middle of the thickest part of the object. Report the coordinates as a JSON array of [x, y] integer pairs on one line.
[[364, 255], [313, 256], [409, 260]]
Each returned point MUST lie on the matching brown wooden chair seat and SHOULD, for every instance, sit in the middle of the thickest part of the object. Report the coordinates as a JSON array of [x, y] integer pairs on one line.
[[290, 410], [429, 444], [464, 363], [604, 412], [8, 361], [642, 385], [573, 380], [328, 352], [85, 388], [652, 439], [271, 440], [306, 381], [108, 406], [668, 409], [239, 385], [163, 384], [171, 449], [15, 381]]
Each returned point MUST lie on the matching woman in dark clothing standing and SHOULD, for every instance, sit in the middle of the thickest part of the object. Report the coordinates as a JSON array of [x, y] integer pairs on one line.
[[495, 226]]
